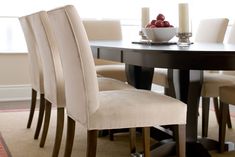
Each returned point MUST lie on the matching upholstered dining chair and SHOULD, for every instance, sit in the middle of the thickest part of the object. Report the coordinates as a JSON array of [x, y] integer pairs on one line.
[[53, 76], [226, 96], [107, 109], [210, 88], [106, 30], [53, 79], [36, 79]]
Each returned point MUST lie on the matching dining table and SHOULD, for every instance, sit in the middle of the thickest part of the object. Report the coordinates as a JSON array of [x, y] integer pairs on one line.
[[185, 67]]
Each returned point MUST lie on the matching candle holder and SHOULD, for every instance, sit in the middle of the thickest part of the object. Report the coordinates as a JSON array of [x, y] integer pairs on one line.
[[142, 35], [184, 39]]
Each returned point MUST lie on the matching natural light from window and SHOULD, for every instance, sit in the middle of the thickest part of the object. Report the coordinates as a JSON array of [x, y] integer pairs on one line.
[[128, 11]]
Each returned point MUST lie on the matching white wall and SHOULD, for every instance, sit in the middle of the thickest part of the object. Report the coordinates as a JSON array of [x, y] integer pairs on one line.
[[14, 76]]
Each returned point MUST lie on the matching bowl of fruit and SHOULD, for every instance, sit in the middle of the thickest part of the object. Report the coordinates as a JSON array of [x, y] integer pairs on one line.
[[159, 30]]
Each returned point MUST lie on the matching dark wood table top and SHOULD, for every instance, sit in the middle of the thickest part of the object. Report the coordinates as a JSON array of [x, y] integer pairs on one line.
[[197, 56]]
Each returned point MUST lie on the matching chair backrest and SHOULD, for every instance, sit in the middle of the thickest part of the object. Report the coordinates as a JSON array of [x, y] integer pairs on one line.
[[103, 29], [231, 36], [231, 40], [81, 84], [211, 30], [52, 70], [35, 66]]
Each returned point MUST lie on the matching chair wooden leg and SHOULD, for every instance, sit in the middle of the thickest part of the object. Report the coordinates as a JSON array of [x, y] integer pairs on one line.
[[205, 115], [46, 122], [146, 141], [111, 135], [217, 113], [216, 106], [32, 107], [170, 91], [132, 132], [40, 116], [69, 137], [229, 123], [91, 143], [180, 137], [222, 125], [59, 131]]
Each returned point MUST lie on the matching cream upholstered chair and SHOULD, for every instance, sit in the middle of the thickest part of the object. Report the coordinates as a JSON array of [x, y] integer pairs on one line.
[[106, 30], [53, 76], [226, 95], [211, 30], [36, 79], [210, 88], [107, 109], [53, 80]]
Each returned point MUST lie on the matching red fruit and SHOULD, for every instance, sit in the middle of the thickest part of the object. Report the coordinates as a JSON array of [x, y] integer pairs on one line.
[[153, 22], [159, 23], [166, 24], [152, 26], [160, 17]]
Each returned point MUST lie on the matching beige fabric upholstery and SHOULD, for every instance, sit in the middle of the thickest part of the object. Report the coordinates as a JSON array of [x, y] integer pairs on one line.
[[226, 94], [54, 83], [103, 29], [231, 37], [34, 59], [112, 71], [106, 83], [106, 62], [211, 30], [212, 82], [232, 73], [110, 109], [53, 77], [53, 74], [136, 108], [81, 82], [106, 30]]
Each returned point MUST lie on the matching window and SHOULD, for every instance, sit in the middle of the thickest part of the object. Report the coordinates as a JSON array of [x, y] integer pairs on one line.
[[128, 11]]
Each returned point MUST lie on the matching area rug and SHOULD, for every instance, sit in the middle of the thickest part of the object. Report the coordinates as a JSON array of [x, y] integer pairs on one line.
[[20, 140], [4, 152]]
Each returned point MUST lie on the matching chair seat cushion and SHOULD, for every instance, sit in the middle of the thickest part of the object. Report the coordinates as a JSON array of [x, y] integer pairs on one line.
[[135, 108], [112, 84], [116, 71], [226, 94], [212, 82]]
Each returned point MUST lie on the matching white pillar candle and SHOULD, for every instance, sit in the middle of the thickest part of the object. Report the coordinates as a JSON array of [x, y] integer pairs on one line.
[[144, 17], [183, 18]]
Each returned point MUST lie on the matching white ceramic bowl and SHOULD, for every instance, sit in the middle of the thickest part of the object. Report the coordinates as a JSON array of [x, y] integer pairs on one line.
[[160, 34]]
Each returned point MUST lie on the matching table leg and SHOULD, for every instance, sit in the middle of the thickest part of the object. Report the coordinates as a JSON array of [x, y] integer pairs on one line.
[[188, 85], [139, 77]]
